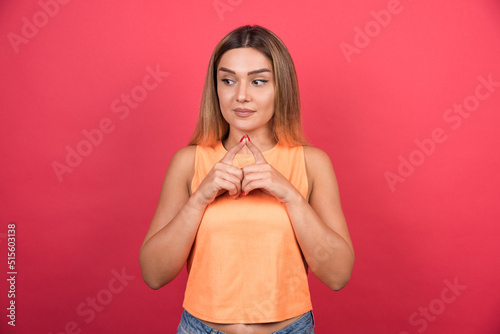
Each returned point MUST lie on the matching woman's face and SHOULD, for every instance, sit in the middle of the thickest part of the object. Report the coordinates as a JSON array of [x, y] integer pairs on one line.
[[245, 86]]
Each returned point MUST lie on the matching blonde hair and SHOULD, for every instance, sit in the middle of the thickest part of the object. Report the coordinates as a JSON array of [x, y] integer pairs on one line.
[[286, 121]]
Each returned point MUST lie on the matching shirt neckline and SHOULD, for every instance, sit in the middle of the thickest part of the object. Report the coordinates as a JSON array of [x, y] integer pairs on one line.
[[247, 155]]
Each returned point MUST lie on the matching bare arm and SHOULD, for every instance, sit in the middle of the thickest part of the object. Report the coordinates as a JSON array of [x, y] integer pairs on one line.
[[319, 223], [172, 231], [320, 226], [175, 223]]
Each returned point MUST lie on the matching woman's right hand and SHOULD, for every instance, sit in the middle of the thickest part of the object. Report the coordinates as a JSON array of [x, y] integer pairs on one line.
[[221, 178], [175, 223]]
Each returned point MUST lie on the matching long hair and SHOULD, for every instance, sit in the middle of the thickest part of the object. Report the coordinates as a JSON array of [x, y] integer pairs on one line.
[[286, 122]]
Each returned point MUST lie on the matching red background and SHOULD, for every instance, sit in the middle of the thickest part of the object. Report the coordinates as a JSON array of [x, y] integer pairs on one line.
[[365, 110]]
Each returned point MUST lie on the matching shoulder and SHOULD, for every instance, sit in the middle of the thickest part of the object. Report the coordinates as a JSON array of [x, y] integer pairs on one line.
[[182, 162], [318, 163], [185, 154], [316, 157]]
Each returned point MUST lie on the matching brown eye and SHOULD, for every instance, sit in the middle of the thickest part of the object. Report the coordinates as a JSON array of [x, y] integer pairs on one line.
[[259, 82], [227, 81]]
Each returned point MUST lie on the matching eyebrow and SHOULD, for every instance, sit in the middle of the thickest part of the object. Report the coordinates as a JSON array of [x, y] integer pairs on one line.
[[223, 69]]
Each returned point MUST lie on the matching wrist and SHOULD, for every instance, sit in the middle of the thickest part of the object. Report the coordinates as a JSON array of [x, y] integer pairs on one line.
[[196, 202], [294, 199]]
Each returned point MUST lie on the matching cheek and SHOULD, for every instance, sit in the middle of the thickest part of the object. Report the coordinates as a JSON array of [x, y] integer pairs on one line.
[[268, 99], [225, 95], [225, 101]]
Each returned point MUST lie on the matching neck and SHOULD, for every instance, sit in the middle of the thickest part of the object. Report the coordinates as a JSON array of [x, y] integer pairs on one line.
[[263, 138]]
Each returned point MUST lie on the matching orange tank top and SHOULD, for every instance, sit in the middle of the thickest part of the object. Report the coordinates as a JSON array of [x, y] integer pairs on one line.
[[246, 265]]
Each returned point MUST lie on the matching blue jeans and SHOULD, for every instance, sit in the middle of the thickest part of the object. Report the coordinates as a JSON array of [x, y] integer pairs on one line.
[[192, 325]]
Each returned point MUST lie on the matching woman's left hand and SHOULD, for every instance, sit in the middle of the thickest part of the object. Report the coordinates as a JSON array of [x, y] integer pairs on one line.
[[264, 177]]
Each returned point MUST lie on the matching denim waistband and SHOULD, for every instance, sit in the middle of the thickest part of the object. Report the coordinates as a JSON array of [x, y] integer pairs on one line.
[[192, 325]]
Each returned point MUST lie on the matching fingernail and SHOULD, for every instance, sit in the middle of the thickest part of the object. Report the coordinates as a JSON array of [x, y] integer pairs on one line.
[[248, 138], [243, 138], [242, 192]]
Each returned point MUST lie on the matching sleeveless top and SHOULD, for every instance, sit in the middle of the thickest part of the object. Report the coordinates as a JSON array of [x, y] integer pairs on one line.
[[245, 265]]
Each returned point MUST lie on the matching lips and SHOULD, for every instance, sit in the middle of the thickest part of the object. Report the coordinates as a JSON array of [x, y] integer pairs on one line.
[[241, 112]]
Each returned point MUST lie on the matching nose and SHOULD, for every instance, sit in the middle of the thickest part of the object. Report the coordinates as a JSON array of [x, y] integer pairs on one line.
[[242, 93]]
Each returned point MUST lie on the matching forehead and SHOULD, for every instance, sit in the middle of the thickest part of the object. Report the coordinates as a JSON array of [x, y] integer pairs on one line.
[[244, 60]]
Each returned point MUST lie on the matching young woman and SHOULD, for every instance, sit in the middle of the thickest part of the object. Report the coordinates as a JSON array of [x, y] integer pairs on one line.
[[248, 204]]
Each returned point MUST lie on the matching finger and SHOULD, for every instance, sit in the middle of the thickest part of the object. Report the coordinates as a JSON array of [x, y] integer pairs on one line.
[[257, 154], [228, 158], [228, 168], [252, 177], [228, 186], [257, 168], [254, 185], [230, 183], [238, 172], [223, 176]]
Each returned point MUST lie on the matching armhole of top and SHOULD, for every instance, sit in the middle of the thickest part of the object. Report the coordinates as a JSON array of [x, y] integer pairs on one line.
[[195, 175], [306, 176]]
